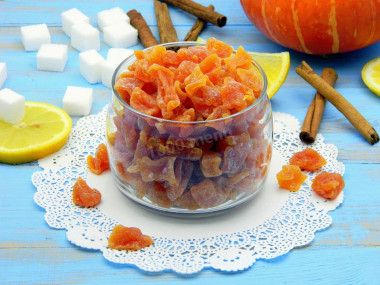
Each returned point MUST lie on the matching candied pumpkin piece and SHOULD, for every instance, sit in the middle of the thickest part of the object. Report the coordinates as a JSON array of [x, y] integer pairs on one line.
[[235, 150], [183, 170], [207, 194], [141, 68], [85, 196], [210, 63], [328, 185], [158, 195], [143, 102], [222, 49], [236, 95], [291, 177], [182, 114], [194, 81], [239, 60], [141, 150], [308, 159], [128, 238], [171, 59], [184, 70], [161, 169], [100, 162], [167, 98], [179, 89], [187, 201], [125, 87], [210, 164], [249, 78]]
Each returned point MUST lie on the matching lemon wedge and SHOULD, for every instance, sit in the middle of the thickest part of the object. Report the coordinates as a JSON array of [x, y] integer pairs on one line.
[[276, 67], [43, 130], [371, 75]]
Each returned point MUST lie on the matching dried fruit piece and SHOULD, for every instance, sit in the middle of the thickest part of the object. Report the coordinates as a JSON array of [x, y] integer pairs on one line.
[[208, 194], [124, 238], [85, 196], [220, 48], [328, 185], [308, 159], [100, 163], [291, 177], [210, 164], [143, 102]]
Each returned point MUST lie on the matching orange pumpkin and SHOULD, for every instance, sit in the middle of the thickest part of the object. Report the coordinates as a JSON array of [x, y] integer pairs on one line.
[[317, 26]]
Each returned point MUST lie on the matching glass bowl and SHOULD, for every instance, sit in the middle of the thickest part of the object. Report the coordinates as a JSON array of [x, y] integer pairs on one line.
[[190, 168]]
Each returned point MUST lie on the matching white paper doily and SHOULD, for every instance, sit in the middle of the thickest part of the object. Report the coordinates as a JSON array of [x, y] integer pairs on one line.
[[270, 225]]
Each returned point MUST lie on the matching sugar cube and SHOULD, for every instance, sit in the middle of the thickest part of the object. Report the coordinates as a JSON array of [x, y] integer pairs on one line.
[[108, 69], [3, 73], [119, 54], [72, 17], [112, 16], [77, 101], [52, 57], [34, 36], [120, 35], [85, 37], [12, 106], [90, 63]]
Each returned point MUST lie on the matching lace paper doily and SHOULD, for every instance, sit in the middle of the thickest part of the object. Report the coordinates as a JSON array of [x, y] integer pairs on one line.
[[270, 225]]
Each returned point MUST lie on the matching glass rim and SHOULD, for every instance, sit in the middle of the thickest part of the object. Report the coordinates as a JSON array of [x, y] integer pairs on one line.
[[133, 58]]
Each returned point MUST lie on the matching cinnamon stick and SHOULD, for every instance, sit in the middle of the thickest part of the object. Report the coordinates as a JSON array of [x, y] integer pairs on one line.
[[314, 114], [145, 34], [349, 111], [200, 11], [197, 28], [166, 29]]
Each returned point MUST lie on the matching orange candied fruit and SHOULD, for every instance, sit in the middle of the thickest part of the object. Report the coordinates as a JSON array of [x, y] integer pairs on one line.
[[308, 159], [163, 83], [85, 196], [128, 238], [291, 177], [328, 185], [100, 162]]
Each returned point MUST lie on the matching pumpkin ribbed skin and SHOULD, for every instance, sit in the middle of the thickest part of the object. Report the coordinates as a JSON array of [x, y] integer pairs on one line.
[[317, 26]]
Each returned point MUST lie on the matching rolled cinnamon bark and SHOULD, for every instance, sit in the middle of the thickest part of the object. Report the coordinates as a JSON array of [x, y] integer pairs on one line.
[[166, 29], [200, 11], [315, 111], [349, 111], [197, 28], [145, 34]]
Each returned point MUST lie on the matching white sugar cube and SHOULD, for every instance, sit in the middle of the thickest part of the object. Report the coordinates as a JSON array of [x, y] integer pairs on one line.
[[52, 57], [120, 35], [108, 69], [72, 17], [12, 106], [3, 73], [119, 54], [34, 36], [85, 37], [90, 64], [77, 101], [112, 16]]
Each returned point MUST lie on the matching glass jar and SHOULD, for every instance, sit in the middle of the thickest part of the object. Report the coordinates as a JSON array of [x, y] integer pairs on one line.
[[193, 167]]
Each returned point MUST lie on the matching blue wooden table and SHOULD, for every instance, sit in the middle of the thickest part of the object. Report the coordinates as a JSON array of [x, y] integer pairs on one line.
[[346, 253]]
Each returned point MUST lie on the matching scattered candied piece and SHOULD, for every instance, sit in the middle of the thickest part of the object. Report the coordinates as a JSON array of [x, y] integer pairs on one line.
[[85, 196], [328, 185], [308, 159], [128, 238], [207, 194], [100, 163], [291, 177]]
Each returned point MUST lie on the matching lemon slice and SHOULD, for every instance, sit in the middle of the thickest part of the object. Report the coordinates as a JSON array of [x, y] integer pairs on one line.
[[276, 67], [43, 130], [371, 75]]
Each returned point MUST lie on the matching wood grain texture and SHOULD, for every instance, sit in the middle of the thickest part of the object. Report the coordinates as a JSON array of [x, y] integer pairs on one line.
[[346, 253]]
